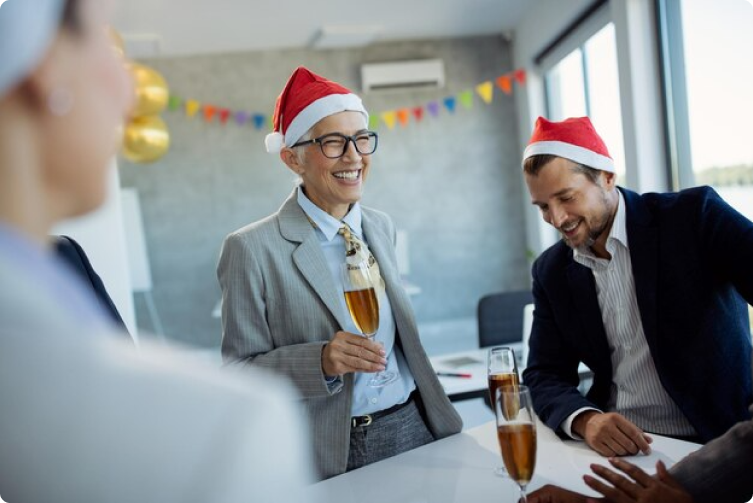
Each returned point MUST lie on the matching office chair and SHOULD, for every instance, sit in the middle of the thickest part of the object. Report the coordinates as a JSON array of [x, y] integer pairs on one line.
[[500, 317]]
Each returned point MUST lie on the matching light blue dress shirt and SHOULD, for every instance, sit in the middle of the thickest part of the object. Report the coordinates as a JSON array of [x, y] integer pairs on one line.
[[366, 399], [45, 271]]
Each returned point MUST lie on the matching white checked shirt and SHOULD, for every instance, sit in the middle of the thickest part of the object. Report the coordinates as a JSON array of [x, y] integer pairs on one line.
[[637, 392]]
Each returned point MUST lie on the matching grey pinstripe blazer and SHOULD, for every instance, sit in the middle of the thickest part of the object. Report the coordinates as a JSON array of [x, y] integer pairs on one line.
[[280, 306]]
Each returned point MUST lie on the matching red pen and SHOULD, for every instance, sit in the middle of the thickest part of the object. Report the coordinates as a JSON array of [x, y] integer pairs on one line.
[[465, 375]]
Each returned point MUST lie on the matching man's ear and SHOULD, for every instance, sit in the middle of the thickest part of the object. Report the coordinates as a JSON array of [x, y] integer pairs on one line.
[[51, 74], [609, 179]]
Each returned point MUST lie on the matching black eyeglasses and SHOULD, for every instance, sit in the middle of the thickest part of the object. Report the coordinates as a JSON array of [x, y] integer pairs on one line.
[[334, 145]]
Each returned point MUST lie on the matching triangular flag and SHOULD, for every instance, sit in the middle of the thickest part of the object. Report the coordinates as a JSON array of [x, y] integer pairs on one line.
[[466, 99], [373, 122], [174, 102], [192, 106], [403, 115], [486, 91], [241, 118], [418, 113], [224, 115], [259, 121], [449, 103], [433, 108], [520, 76], [505, 83], [209, 112], [389, 119]]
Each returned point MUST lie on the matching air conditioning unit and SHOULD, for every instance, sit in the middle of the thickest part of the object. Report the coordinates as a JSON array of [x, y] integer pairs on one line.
[[399, 75]]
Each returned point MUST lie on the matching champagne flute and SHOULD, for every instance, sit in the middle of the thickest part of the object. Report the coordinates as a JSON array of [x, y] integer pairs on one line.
[[516, 432], [502, 370], [363, 305]]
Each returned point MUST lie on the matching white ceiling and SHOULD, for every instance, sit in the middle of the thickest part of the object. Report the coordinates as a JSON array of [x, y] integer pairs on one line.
[[185, 27]]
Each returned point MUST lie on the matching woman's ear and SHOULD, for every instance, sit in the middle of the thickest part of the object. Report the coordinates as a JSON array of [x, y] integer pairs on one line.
[[291, 160]]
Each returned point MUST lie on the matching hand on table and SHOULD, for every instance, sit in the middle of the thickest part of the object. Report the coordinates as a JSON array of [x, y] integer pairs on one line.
[[638, 486], [348, 352], [611, 434], [554, 494]]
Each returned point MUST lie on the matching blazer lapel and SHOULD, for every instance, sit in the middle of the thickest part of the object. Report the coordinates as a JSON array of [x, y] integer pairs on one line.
[[643, 241], [583, 291], [308, 256]]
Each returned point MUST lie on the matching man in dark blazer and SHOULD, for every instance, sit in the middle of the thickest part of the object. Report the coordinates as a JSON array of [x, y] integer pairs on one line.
[[71, 253], [647, 290]]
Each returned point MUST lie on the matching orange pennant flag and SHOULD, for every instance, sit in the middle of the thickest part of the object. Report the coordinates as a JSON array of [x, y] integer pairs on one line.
[[224, 115], [505, 83], [486, 91], [418, 113], [520, 76], [208, 112], [192, 106], [403, 115], [389, 119]]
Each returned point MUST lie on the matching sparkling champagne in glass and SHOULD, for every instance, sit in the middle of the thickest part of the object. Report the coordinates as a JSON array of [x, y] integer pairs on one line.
[[516, 432], [502, 370], [363, 304]]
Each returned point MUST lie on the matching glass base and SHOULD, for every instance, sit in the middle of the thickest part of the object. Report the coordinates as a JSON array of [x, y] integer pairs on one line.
[[383, 379]]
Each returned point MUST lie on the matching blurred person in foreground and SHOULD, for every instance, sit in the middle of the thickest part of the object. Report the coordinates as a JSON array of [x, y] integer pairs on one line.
[[648, 290], [283, 302], [84, 417], [720, 471]]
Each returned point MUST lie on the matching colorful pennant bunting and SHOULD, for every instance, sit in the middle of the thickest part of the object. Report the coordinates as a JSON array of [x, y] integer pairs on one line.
[[485, 91]]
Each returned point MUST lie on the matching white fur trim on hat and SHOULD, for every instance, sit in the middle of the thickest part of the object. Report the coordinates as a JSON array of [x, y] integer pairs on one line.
[[273, 142], [575, 153], [318, 110], [27, 29]]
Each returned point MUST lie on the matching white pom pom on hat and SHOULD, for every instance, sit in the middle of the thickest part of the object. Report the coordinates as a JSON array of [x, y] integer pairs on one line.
[[306, 99], [575, 139]]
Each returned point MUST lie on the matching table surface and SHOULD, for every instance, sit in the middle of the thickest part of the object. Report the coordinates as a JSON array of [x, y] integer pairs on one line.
[[460, 469], [474, 363]]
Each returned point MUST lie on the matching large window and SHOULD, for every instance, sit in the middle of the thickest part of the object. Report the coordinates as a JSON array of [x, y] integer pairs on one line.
[[709, 44], [586, 82]]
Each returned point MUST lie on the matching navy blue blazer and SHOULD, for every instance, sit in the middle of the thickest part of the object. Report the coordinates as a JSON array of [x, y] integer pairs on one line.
[[71, 253], [692, 258]]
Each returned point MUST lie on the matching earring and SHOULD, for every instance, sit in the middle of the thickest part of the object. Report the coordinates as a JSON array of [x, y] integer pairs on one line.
[[60, 101]]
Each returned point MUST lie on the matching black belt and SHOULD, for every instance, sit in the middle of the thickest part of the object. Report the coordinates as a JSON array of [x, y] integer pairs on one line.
[[366, 420]]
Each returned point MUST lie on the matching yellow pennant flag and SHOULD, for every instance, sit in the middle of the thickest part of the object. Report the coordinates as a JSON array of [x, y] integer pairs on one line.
[[389, 119], [485, 90], [192, 106]]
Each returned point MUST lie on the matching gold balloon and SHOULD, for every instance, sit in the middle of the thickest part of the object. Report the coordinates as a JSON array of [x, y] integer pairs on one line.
[[146, 139], [152, 93]]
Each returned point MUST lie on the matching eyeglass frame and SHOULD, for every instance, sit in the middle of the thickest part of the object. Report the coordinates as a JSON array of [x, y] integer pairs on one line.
[[348, 140]]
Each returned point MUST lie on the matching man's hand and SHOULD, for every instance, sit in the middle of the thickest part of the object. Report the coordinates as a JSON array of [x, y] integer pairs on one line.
[[610, 434], [640, 487], [554, 494], [348, 352]]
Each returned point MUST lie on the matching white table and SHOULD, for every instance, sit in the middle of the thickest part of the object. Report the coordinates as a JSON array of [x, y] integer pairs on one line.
[[459, 469], [474, 363]]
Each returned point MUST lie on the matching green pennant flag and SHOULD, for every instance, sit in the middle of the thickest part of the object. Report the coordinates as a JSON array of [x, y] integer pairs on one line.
[[373, 122], [466, 99], [174, 102]]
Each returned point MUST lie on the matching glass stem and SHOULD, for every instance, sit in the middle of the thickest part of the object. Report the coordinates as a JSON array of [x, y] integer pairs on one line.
[[523, 496]]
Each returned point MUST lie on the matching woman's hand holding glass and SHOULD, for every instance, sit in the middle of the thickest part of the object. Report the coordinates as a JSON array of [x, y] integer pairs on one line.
[[347, 353]]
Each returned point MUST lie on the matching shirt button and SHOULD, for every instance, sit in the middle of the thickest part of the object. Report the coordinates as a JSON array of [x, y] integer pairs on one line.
[[373, 400]]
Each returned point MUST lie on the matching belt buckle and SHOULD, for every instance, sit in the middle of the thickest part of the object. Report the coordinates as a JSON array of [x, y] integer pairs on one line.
[[361, 421]]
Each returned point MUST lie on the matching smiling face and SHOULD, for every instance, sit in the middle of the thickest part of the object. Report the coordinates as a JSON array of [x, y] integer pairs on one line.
[[580, 209], [332, 184]]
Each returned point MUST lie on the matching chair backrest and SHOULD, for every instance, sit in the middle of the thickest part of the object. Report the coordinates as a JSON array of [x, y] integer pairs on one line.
[[500, 317], [527, 326]]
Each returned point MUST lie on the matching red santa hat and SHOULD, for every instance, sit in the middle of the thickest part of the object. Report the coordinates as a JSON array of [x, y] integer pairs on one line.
[[306, 99], [574, 139]]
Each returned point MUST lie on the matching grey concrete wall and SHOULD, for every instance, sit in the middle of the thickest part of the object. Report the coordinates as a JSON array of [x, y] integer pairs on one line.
[[452, 182]]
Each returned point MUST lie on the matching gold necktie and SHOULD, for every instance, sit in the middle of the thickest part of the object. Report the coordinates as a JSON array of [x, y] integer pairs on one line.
[[357, 252]]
